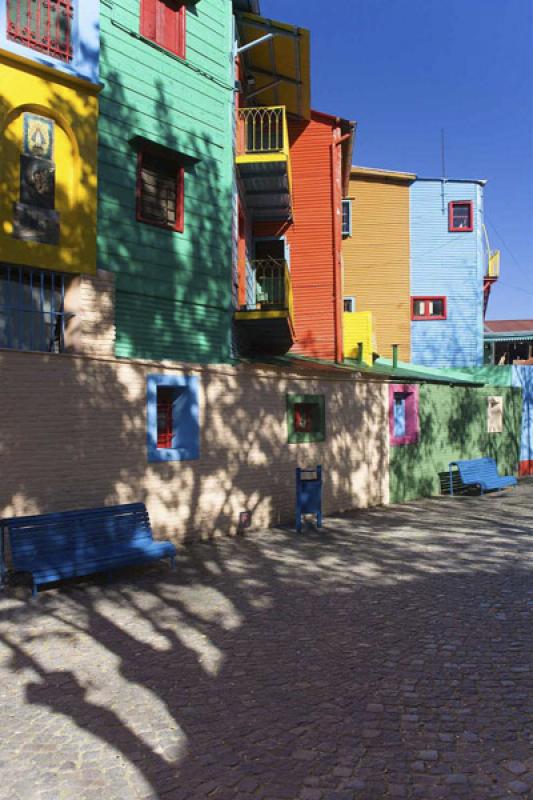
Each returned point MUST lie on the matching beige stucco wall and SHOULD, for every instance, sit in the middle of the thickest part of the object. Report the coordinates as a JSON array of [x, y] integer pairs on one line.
[[73, 434]]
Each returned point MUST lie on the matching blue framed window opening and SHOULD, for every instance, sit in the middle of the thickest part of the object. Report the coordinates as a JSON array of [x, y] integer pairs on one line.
[[32, 309], [173, 426]]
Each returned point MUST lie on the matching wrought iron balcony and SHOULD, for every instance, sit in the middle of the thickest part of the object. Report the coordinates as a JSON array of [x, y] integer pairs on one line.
[[263, 160], [267, 323]]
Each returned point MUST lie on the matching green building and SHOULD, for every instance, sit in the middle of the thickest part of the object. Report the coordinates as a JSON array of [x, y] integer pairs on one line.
[[166, 175]]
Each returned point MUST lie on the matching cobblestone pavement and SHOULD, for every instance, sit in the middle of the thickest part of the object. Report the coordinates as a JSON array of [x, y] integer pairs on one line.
[[389, 656]]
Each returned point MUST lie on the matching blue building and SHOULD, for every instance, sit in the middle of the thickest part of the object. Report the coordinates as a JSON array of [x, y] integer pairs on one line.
[[449, 263]]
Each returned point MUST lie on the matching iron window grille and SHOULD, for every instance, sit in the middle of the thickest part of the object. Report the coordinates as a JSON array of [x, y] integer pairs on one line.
[[32, 309], [44, 25]]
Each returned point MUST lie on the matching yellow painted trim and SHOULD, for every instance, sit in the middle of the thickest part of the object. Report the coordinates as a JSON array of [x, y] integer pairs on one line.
[[262, 158], [54, 75], [244, 315], [382, 173]]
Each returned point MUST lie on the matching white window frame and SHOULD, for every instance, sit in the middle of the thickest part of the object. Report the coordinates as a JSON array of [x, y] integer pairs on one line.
[[351, 300], [347, 233]]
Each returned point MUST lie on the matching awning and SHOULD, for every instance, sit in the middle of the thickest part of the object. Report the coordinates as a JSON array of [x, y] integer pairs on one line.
[[278, 69], [509, 337]]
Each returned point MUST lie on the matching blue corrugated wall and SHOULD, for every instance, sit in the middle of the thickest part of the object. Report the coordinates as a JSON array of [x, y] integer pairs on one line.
[[451, 265], [523, 378]]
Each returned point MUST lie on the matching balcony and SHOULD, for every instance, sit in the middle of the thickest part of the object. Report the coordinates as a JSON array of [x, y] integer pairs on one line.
[[266, 326], [263, 162]]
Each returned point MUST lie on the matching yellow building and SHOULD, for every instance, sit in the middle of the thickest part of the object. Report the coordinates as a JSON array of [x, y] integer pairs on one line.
[[48, 163], [376, 262]]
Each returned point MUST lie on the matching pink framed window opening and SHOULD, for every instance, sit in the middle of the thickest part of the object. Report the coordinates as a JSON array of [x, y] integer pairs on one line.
[[404, 421]]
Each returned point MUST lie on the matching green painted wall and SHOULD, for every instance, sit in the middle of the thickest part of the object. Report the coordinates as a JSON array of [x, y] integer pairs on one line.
[[453, 425], [173, 290]]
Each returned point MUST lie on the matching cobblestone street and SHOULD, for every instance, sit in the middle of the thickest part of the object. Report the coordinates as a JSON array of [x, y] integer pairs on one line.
[[389, 656]]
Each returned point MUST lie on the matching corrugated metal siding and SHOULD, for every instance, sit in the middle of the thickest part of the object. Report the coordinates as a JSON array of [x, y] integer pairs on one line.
[[186, 279], [451, 265], [376, 259], [311, 238]]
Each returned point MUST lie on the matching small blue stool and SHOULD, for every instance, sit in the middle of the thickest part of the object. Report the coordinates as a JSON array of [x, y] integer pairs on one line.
[[308, 495]]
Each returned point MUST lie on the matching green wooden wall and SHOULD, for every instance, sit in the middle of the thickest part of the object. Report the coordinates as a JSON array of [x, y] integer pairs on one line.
[[453, 425], [173, 291]]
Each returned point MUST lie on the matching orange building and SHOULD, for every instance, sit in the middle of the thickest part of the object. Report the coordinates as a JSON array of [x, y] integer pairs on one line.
[[376, 255]]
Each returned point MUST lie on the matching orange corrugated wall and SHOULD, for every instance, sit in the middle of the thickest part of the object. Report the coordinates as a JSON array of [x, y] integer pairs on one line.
[[311, 237]]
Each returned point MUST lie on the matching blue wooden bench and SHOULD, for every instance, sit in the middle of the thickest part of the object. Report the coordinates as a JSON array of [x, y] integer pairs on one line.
[[481, 472], [74, 543]]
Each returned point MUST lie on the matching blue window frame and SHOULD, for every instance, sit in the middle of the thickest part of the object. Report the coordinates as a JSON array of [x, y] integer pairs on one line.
[[32, 309], [173, 418]]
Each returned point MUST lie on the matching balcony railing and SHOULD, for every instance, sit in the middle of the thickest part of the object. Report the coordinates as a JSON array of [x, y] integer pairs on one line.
[[44, 25], [273, 287], [493, 267], [262, 130]]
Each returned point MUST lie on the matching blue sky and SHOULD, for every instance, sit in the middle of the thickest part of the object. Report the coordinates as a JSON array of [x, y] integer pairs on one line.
[[405, 69]]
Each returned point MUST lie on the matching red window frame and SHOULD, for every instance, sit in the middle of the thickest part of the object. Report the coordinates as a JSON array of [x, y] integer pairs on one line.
[[40, 28], [165, 417], [164, 23], [428, 317], [451, 207], [180, 191]]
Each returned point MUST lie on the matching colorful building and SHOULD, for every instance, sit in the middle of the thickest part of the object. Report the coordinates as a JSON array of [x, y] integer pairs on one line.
[[449, 262], [166, 176], [292, 171], [48, 166], [376, 254]]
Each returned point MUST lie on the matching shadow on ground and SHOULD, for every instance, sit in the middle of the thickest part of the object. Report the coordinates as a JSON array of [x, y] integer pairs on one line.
[[387, 656]]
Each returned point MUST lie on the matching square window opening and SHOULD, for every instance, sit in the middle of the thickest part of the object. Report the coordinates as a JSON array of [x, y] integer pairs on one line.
[[306, 418], [164, 23], [160, 191], [349, 305], [461, 216], [427, 308]]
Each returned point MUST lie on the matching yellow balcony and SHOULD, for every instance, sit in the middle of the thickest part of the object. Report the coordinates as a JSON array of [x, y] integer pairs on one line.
[[267, 325], [263, 162], [493, 268]]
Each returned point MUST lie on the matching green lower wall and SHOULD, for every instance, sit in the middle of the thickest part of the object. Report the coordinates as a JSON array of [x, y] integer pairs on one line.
[[453, 425]]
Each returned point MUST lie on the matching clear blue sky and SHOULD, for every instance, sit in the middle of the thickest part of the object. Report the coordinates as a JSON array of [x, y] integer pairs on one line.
[[404, 69]]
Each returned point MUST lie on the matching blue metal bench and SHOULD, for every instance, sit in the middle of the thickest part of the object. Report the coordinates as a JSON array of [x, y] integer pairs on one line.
[[481, 472], [74, 543]]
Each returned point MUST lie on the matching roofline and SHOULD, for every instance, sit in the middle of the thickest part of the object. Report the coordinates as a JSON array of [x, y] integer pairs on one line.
[[480, 181], [502, 336], [333, 119], [252, 6], [382, 173]]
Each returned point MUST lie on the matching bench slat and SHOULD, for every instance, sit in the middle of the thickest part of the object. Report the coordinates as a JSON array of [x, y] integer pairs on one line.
[[482, 472]]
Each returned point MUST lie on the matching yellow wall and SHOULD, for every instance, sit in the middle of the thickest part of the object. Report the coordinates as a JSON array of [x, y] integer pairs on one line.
[[73, 106], [358, 328], [376, 258]]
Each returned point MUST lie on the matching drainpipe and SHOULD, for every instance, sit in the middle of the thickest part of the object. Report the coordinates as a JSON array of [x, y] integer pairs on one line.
[[360, 352], [394, 356], [337, 276]]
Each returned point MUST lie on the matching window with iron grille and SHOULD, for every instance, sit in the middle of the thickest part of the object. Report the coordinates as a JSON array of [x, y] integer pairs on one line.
[[461, 216], [172, 417], [346, 217], [160, 191], [44, 25], [163, 22], [32, 309], [166, 397]]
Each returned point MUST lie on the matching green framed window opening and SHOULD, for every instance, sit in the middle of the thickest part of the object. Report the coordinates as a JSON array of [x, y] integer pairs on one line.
[[306, 418]]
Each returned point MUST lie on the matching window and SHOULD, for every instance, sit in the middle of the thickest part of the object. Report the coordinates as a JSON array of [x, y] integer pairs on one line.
[[44, 25], [173, 431], [461, 216], [32, 309], [163, 22], [403, 414], [346, 218], [306, 419], [160, 190], [494, 414], [428, 308], [349, 304]]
